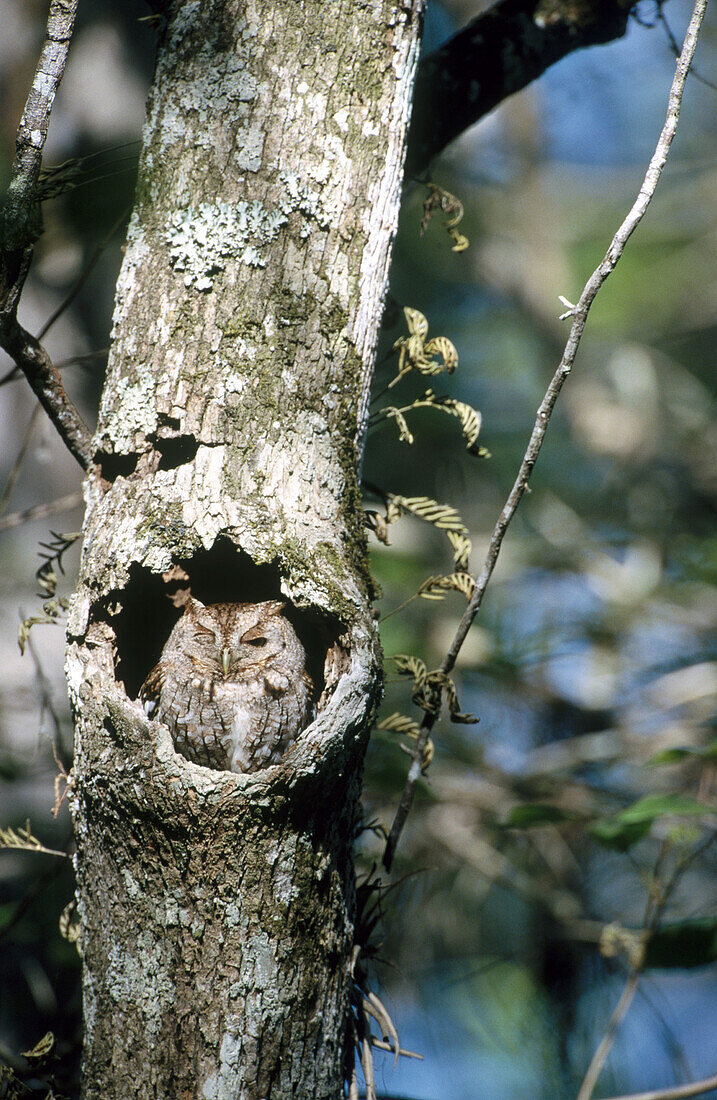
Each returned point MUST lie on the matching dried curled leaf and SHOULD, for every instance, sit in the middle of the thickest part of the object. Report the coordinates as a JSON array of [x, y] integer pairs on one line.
[[69, 928], [435, 588], [376, 523], [46, 577], [411, 666], [41, 1050], [417, 322], [400, 723], [407, 727], [441, 345], [404, 435], [52, 610], [469, 417], [461, 242], [394, 510], [415, 354], [436, 685], [440, 199], [442, 516], [462, 547]]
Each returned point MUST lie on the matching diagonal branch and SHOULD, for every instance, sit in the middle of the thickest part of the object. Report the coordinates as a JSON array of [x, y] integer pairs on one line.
[[618, 1015], [44, 378], [657, 900], [41, 511], [676, 1092], [20, 226], [579, 314], [19, 218], [499, 52]]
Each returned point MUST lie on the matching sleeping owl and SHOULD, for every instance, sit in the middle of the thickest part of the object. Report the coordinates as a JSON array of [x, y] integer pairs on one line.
[[231, 685]]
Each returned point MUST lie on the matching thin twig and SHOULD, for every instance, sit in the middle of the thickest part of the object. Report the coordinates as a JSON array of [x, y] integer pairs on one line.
[[73, 361], [20, 226], [17, 465], [677, 1092], [676, 49], [600, 1056], [69, 299], [83, 276], [579, 314], [47, 705], [658, 897], [41, 511]]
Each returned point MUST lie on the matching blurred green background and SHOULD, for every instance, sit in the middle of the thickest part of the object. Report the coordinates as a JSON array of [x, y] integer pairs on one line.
[[594, 650]]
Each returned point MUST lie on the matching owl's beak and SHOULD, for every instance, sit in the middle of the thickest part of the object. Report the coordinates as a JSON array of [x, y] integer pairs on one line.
[[226, 659]]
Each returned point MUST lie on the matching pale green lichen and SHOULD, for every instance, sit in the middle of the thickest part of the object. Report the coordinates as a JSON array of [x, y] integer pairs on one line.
[[132, 410], [202, 239], [305, 200]]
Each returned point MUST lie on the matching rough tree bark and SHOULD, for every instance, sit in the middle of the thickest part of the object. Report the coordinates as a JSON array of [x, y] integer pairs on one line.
[[217, 909]]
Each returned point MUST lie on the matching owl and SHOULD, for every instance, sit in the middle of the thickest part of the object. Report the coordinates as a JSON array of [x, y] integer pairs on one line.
[[231, 685]]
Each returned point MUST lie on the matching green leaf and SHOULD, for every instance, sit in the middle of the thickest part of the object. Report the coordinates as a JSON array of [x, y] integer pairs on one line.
[[633, 823], [657, 805], [617, 835], [674, 756], [683, 944], [534, 813]]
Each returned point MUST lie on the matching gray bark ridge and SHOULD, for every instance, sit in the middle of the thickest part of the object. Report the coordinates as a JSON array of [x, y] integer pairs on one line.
[[217, 909]]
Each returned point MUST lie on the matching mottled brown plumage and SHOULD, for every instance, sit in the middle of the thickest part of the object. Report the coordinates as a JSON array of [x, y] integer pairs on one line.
[[231, 685]]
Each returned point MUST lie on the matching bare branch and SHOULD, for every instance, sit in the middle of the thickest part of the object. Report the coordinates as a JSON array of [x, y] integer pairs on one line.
[[20, 225], [677, 1092], [579, 314], [45, 381], [41, 511], [500, 51], [618, 1014]]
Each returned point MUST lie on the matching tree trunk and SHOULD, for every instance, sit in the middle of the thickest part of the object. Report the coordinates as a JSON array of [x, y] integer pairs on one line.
[[217, 909]]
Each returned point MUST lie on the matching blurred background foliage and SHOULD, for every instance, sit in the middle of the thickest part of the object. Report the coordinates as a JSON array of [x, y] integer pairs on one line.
[[592, 658]]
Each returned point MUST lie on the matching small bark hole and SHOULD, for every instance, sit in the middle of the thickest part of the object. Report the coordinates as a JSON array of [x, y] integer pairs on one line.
[[112, 465], [175, 451]]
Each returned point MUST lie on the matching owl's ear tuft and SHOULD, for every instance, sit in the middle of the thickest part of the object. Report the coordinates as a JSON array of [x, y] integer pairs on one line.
[[193, 606], [273, 607]]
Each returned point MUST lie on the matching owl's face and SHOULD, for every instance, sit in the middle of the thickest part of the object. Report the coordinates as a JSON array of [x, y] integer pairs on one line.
[[233, 640]]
